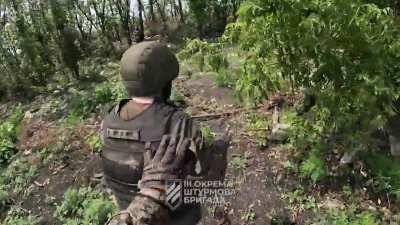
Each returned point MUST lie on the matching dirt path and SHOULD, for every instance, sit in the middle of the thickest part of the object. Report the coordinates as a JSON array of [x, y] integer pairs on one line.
[[258, 197]]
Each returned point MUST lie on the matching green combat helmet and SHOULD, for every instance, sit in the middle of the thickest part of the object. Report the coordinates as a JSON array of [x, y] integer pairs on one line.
[[147, 68]]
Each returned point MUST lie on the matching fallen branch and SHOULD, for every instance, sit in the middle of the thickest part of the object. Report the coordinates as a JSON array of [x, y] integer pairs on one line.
[[217, 115], [229, 113]]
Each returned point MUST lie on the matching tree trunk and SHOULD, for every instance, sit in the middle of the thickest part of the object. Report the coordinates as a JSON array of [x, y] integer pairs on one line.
[[124, 15], [140, 34], [127, 19], [151, 10], [163, 18], [181, 14]]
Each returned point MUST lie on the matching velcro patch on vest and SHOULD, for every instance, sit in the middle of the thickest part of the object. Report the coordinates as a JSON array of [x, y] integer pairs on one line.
[[123, 134]]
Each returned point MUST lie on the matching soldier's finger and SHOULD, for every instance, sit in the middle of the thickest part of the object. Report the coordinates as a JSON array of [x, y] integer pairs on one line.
[[171, 150], [183, 128], [162, 148], [177, 128], [182, 150]]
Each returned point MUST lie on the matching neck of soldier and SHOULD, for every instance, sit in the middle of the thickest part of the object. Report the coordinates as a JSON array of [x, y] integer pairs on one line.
[[143, 100]]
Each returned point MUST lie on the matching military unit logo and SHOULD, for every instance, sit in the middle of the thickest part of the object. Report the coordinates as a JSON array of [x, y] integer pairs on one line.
[[174, 193]]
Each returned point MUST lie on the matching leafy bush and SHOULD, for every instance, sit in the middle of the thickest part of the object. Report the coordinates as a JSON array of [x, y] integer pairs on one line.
[[239, 161], [224, 78], [346, 52], [95, 142], [344, 217], [18, 175], [207, 133], [307, 136], [218, 62], [257, 128], [4, 200], [386, 172], [177, 97], [209, 57], [85, 206], [83, 103], [196, 50], [258, 79], [298, 198], [8, 135], [313, 167], [16, 216], [211, 16]]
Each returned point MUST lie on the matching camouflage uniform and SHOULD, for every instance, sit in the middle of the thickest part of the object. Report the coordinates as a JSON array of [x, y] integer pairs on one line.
[[148, 212]]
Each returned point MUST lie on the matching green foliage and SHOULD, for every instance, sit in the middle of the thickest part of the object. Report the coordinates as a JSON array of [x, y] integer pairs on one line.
[[95, 143], [343, 217], [197, 50], [224, 78], [103, 94], [308, 138], [299, 198], [16, 216], [249, 216], [239, 161], [84, 103], [394, 4], [85, 206], [257, 128], [209, 57], [211, 16], [39, 43], [386, 172], [345, 51], [313, 167], [8, 135], [259, 78], [218, 62], [177, 97], [4, 200], [207, 133], [25, 48], [18, 175]]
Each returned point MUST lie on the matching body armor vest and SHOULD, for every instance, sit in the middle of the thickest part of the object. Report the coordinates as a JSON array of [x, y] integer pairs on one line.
[[126, 142]]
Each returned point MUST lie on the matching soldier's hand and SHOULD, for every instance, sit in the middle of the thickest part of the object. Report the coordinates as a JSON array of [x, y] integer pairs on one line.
[[168, 162]]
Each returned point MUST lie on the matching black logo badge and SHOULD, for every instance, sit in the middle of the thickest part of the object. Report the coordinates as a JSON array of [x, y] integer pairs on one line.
[[174, 193]]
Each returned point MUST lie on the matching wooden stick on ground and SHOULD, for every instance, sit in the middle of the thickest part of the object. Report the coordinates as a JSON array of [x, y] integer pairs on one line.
[[228, 113], [217, 115]]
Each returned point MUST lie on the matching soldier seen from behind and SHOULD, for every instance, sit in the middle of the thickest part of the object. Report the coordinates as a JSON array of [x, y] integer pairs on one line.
[[133, 129]]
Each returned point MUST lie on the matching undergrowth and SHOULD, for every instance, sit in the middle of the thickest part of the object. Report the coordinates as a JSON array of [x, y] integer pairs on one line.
[[257, 128], [83, 104], [18, 175], [385, 171], [9, 130], [347, 217], [17, 216], [84, 206]]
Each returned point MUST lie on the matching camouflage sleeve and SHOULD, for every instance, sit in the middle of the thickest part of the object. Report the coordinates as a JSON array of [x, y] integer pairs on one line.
[[197, 147], [146, 211], [196, 136]]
